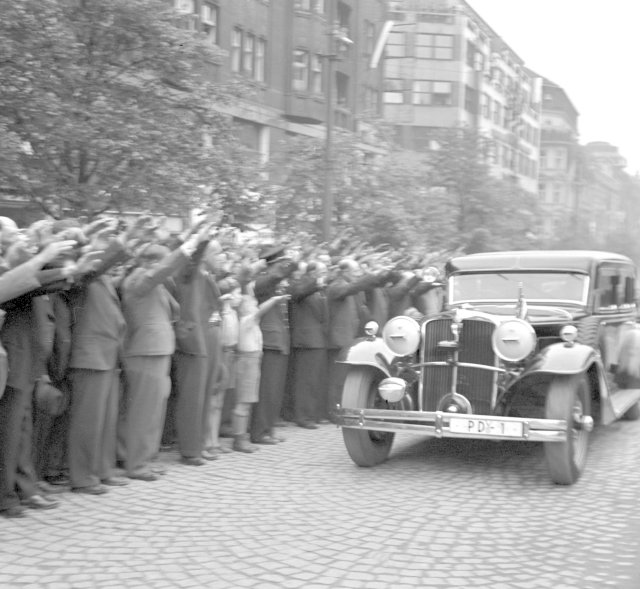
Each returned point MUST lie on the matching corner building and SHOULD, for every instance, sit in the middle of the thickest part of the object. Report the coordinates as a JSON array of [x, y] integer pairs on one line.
[[446, 67]]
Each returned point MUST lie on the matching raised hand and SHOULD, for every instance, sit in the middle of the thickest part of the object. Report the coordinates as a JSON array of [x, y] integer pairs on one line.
[[54, 250]]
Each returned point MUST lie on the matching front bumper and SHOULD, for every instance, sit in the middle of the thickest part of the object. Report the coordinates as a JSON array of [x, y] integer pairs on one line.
[[438, 424]]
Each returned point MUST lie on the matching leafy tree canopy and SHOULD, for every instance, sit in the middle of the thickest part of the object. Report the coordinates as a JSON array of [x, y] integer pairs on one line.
[[106, 105]]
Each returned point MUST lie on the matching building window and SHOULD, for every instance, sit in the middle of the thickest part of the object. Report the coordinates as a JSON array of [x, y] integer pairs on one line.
[[236, 49], [432, 93], [393, 92], [209, 20], [497, 113], [396, 44], [371, 99], [369, 37], [560, 160], [316, 74], [259, 73], [300, 79], [188, 9], [430, 46], [471, 54], [344, 15], [248, 48], [342, 89], [471, 100], [485, 105], [316, 6]]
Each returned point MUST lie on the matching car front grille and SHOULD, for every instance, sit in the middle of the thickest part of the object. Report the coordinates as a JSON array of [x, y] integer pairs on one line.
[[475, 384]]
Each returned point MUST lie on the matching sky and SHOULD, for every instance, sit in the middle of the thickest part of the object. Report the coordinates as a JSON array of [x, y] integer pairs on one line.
[[590, 49]]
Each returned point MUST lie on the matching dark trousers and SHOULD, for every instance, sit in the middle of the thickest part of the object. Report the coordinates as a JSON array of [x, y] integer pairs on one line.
[[310, 388], [337, 375], [191, 380], [26, 475], [273, 375], [12, 410], [92, 427]]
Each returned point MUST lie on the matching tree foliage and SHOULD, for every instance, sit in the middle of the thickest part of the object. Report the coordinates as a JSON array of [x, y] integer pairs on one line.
[[105, 105], [444, 199]]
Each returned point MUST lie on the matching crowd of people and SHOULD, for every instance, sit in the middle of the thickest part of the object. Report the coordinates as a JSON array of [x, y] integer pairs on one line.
[[122, 339]]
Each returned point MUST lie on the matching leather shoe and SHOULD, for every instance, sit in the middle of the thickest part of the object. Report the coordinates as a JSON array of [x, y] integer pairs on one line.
[[39, 502], [277, 438], [210, 455], [307, 425], [219, 449], [14, 511], [266, 440], [192, 460], [143, 476], [115, 482], [158, 469], [91, 490], [49, 489]]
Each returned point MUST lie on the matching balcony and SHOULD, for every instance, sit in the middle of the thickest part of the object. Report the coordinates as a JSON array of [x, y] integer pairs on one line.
[[558, 136]]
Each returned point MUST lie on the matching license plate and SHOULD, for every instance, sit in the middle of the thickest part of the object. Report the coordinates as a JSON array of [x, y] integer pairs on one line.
[[487, 427]]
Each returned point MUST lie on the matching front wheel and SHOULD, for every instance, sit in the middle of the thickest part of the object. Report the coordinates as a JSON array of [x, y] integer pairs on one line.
[[569, 398], [366, 448]]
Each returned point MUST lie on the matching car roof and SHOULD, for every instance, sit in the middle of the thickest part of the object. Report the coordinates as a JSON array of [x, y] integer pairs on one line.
[[573, 260]]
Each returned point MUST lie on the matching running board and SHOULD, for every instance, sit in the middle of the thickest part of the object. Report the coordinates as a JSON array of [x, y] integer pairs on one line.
[[620, 402]]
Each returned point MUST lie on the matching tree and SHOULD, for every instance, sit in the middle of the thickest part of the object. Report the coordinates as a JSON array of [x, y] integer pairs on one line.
[[481, 204], [108, 105]]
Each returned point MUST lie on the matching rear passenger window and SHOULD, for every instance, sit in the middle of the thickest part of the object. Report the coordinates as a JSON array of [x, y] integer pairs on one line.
[[615, 288]]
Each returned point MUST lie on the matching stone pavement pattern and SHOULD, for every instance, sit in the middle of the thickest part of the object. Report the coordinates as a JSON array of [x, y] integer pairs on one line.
[[438, 514]]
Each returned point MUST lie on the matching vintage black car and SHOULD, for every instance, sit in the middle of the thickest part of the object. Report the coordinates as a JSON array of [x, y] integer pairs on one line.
[[531, 345]]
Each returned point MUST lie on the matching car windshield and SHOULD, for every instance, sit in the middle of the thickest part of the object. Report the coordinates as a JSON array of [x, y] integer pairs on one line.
[[547, 287]]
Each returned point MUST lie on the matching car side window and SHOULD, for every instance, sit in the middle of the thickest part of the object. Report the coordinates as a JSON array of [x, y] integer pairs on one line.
[[615, 288]]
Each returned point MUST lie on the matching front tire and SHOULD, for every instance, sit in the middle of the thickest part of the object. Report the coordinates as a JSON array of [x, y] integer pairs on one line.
[[365, 447], [568, 398]]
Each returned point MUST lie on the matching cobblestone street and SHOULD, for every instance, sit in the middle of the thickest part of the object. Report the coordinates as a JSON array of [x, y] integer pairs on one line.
[[301, 515]]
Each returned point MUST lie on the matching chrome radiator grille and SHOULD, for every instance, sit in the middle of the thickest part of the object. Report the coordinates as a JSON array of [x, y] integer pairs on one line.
[[475, 347]]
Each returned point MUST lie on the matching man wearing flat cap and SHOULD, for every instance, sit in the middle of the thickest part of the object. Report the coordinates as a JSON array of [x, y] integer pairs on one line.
[[274, 325]]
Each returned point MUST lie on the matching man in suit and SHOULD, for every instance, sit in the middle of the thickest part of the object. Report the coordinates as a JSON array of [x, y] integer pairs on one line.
[[18, 286], [197, 294], [347, 313], [96, 343], [150, 311], [274, 325], [309, 330]]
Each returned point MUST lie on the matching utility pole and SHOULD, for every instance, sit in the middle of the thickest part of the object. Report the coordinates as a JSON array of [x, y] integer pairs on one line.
[[327, 200]]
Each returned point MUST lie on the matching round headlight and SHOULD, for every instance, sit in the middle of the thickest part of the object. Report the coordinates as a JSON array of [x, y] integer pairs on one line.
[[402, 335], [513, 340]]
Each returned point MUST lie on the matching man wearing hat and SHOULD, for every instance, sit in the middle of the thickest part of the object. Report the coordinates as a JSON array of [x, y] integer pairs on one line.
[[275, 343]]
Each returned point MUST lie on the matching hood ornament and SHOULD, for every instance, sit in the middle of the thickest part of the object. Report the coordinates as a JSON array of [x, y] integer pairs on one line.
[[521, 305]]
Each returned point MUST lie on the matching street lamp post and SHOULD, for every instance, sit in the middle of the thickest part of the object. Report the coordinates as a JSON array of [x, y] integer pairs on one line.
[[327, 200]]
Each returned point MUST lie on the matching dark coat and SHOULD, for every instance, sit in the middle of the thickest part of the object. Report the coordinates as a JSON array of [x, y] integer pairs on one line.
[[309, 314], [347, 309]]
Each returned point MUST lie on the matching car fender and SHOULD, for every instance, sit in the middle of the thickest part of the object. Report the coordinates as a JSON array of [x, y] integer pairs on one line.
[[368, 352], [563, 358]]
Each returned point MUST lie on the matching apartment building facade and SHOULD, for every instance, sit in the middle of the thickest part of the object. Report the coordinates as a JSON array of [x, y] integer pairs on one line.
[[446, 67], [303, 61], [560, 162]]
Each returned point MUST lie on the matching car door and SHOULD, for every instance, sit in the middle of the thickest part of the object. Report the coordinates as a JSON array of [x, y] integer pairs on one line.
[[614, 302]]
